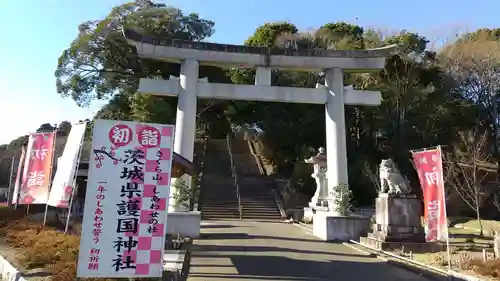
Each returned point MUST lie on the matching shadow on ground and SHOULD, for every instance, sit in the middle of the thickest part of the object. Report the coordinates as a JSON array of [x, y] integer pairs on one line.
[[216, 226], [37, 273], [254, 251], [236, 235], [216, 249], [283, 268]]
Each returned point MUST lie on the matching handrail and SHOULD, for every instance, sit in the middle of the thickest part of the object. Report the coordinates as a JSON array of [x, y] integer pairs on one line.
[[199, 163], [233, 174]]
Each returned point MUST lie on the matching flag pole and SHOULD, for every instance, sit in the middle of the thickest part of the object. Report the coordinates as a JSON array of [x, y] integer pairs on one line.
[[70, 205], [11, 186], [448, 250], [27, 165], [19, 177], [74, 185], [50, 176]]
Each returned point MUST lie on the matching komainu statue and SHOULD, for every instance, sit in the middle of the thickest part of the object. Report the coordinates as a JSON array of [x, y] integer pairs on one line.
[[391, 180]]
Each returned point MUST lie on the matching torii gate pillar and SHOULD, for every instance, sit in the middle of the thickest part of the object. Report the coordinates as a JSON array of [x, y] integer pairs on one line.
[[185, 124], [336, 147]]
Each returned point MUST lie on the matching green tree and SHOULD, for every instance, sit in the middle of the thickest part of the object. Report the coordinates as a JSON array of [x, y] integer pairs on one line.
[[118, 108], [64, 128], [101, 64], [46, 127], [280, 120], [473, 64], [266, 34], [417, 109]]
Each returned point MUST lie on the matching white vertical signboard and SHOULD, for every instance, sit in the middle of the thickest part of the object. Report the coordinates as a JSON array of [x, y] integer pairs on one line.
[[63, 182], [124, 222]]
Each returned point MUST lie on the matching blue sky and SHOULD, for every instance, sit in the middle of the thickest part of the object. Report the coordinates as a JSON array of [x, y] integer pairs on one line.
[[35, 32]]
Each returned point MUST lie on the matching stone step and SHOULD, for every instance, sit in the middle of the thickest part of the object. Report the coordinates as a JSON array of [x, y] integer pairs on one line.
[[220, 198], [212, 211], [260, 208], [220, 201], [219, 213], [260, 205], [260, 211], [262, 215], [261, 218], [269, 216], [263, 209], [258, 201], [219, 207], [415, 247], [256, 197], [237, 217], [221, 193], [248, 216], [221, 217], [267, 207], [235, 208], [252, 193]]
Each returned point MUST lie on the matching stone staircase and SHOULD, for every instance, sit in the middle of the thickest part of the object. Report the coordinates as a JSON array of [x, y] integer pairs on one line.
[[219, 198], [257, 198]]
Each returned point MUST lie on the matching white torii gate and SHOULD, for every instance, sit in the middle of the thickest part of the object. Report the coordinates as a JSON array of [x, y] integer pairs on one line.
[[188, 87]]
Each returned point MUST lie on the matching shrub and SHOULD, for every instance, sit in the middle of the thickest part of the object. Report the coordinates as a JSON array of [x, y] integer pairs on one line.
[[43, 246], [490, 268], [8, 215]]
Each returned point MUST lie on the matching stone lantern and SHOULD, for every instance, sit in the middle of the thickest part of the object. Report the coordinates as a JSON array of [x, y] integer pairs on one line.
[[319, 174], [319, 202]]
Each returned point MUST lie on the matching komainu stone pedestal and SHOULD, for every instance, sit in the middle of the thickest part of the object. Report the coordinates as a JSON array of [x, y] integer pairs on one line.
[[398, 219], [331, 227], [398, 225]]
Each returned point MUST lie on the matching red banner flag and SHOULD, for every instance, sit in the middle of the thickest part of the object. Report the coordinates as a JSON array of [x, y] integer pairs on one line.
[[37, 169], [429, 166]]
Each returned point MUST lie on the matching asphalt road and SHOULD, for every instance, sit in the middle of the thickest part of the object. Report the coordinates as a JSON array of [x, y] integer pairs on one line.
[[245, 250]]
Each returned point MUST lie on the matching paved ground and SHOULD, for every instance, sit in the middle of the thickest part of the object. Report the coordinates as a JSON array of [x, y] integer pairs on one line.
[[244, 250]]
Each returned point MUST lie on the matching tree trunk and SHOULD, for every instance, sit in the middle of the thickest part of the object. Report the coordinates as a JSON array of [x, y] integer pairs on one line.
[[478, 216], [496, 135]]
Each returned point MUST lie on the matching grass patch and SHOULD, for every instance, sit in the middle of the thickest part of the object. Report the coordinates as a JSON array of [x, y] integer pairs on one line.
[[488, 225], [466, 247], [43, 247]]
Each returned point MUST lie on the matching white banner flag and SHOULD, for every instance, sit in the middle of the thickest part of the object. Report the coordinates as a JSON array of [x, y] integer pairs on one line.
[[63, 183], [125, 215], [19, 176]]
